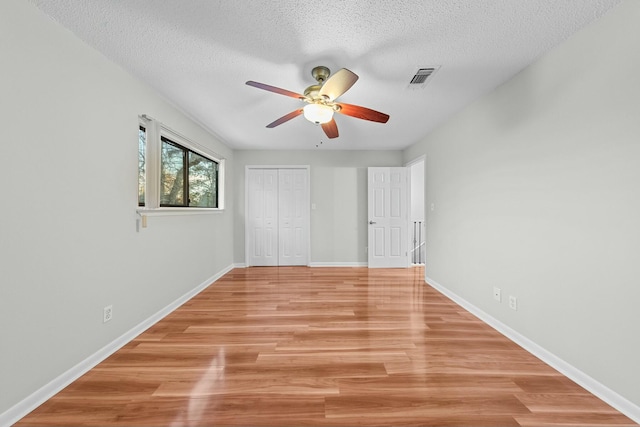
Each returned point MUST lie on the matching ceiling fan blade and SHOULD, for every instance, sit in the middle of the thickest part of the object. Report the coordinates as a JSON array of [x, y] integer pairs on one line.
[[275, 90], [330, 128], [363, 113], [285, 118], [339, 82]]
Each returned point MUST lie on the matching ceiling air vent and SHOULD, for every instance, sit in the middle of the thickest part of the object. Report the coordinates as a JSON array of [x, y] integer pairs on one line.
[[419, 80]]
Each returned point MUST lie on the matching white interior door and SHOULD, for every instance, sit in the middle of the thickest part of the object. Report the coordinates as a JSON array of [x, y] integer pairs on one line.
[[277, 225], [388, 217]]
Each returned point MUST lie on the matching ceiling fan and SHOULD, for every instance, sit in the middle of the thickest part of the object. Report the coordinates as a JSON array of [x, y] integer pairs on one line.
[[321, 100]]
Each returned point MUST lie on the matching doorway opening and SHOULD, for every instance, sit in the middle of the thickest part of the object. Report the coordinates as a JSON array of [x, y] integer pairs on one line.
[[417, 226]]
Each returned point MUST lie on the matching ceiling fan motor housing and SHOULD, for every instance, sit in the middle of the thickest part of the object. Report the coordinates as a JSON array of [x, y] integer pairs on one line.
[[312, 91]]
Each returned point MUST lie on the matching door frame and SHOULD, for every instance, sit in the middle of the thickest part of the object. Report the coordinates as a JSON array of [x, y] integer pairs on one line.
[[247, 168], [420, 159]]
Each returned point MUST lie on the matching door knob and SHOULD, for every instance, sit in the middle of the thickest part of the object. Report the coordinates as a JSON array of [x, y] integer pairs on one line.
[[372, 222]]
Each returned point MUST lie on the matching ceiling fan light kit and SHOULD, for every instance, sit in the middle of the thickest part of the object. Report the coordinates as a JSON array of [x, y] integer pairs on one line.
[[318, 113], [321, 100]]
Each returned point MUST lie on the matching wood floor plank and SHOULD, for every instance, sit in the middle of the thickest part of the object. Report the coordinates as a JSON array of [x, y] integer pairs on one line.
[[383, 406], [569, 403], [299, 346], [423, 385], [573, 419]]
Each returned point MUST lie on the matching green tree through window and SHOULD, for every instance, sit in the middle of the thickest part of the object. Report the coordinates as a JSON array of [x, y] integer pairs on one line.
[[187, 179], [203, 175]]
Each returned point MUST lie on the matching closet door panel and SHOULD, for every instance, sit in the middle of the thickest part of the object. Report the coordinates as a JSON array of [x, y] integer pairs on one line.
[[262, 215], [293, 210]]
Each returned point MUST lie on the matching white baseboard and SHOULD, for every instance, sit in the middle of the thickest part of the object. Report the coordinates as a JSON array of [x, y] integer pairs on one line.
[[22, 408], [319, 264], [338, 264], [617, 401]]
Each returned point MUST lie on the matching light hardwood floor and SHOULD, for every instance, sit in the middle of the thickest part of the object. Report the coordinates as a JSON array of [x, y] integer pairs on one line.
[[322, 346]]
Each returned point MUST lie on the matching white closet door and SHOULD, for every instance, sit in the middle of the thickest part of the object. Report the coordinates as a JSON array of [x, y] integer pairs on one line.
[[293, 205], [262, 215], [278, 222]]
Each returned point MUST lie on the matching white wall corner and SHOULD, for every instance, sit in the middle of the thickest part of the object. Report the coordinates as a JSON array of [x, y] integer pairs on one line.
[[603, 392], [37, 398]]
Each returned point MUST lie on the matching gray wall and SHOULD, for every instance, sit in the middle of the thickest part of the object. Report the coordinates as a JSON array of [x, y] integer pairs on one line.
[[537, 191], [339, 191], [68, 240]]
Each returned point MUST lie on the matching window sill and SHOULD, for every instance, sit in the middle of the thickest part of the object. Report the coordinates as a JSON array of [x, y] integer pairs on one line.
[[177, 211]]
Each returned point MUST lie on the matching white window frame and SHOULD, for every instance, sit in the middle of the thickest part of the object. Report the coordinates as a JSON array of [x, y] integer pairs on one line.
[[154, 132]]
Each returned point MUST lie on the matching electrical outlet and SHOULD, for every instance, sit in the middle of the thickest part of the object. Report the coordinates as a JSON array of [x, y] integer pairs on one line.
[[513, 302], [497, 294], [107, 313]]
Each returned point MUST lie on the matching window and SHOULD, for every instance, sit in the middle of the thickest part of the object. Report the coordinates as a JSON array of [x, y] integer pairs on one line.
[[175, 174], [142, 185], [187, 179]]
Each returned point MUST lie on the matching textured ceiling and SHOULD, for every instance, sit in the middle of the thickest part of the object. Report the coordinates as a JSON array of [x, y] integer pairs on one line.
[[200, 53]]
